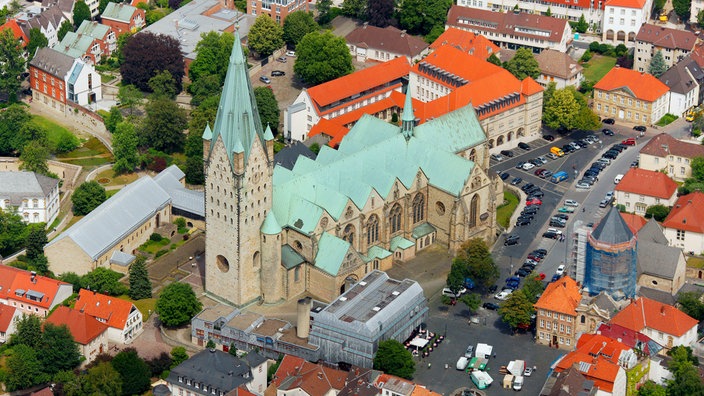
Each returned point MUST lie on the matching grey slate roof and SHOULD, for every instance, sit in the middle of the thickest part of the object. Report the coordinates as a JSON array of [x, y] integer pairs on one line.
[[161, 390], [17, 186], [211, 368], [657, 295], [652, 232], [655, 256], [181, 198], [604, 301], [678, 79], [288, 156], [121, 258], [66, 6], [50, 16], [117, 217], [52, 62], [612, 228]]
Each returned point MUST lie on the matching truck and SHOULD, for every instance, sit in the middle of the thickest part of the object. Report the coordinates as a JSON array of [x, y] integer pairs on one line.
[[481, 379], [483, 350], [517, 382], [477, 363], [462, 363], [559, 176]]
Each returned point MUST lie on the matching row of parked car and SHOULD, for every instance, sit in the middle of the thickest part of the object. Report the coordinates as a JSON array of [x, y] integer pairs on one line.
[[591, 175], [508, 153]]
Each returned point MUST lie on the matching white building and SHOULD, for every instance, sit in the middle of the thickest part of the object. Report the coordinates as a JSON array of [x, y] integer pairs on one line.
[[33, 196], [9, 316], [666, 154], [48, 22], [640, 189], [684, 226], [90, 334], [684, 80], [559, 68], [123, 318], [623, 19]]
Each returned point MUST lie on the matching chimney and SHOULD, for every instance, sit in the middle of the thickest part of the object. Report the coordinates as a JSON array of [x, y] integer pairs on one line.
[[33, 277], [662, 310], [303, 318], [320, 375], [403, 33]]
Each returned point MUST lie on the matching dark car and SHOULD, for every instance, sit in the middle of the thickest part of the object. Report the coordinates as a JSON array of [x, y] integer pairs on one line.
[[550, 234], [541, 251], [523, 146], [493, 288], [609, 121], [549, 138], [614, 152], [561, 216], [557, 223], [278, 73], [607, 132], [522, 221], [601, 165], [504, 176], [511, 240], [507, 153], [516, 181], [640, 128], [529, 210], [634, 164], [610, 155], [594, 168], [537, 194], [617, 147], [539, 171], [522, 272], [520, 165], [555, 278], [490, 305], [536, 162], [567, 148], [527, 187], [533, 190], [582, 143]]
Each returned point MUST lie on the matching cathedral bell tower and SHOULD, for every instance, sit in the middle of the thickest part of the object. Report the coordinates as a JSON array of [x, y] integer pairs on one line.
[[239, 162]]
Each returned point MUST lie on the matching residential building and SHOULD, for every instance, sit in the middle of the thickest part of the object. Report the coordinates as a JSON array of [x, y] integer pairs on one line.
[[640, 188], [556, 312], [465, 41], [9, 316], [660, 266], [31, 293], [685, 80], [392, 385], [684, 225], [16, 31], [560, 68], [344, 95], [623, 19], [33, 196], [297, 376], [568, 382], [123, 18], [58, 79], [662, 323], [513, 30], [88, 332], [48, 22], [593, 12], [378, 223], [593, 310], [630, 338], [276, 10], [92, 42], [674, 44], [66, 7], [382, 44], [94, 7], [665, 153], [123, 318], [213, 372], [630, 96]]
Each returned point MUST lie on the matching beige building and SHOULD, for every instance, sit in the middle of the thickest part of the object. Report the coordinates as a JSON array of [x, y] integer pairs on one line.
[[33, 196], [684, 226], [274, 233], [664, 153], [90, 334], [382, 44], [631, 97], [674, 44], [560, 68], [640, 189], [593, 310], [556, 310]]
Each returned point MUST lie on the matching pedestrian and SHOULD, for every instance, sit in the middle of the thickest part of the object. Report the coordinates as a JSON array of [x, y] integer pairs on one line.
[[535, 368], [429, 364], [583, 210]]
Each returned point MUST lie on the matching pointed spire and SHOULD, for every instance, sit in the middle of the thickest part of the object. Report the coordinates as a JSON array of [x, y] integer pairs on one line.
[[408, 119], [270, 225], [207, 133], [268, 135]]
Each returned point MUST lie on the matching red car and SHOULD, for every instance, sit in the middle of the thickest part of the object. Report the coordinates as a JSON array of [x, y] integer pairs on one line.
[[539, 171], [534, 201], [534, 257], [541, 276], [629, 142]]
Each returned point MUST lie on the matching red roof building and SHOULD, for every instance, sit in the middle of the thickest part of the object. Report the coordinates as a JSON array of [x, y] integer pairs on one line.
[[684, 225], [557, 313], [9, 316], [31, 293], [640, 188], [631, 96], [371, 43], [675, 44], [122, 317], [311, 379], [16, 31], [88, 332], [664, 324], [465, 41], [633, 221], [668, 154]]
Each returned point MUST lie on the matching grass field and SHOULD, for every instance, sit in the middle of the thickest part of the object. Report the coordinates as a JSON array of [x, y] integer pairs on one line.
[[695, 262], [666, 119], [111, 180], [505, 210], [88, 162], [90, 148], [597, 67], [110, 193], [145, 306], [54, 130]]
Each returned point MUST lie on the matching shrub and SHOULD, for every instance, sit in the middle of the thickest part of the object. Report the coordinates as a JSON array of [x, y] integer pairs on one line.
[[161, 253], [180, 222], [155, 237], [587, 56]]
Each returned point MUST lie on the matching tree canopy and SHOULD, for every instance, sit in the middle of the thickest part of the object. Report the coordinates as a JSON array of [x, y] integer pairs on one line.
[[696, 182], [516, 310], [58, 351], [659, 212], [66, 26], [321, 57], [657, 65], [147, 54], [35, 249], [102, 379], [12, 120], [265, 36], [134, 372], [88, 196], [474, 260], [682, 8], [523, 64], [105, 281], [690, 303], [12, 64], [23, 369], [34, 158], [355, 8], [268, 108], [130, 96], [13, 232], [380, 12], [561, 110], [37, 40], [686, 379], [28, 331], [162, 128], [650, 388], [81, 12], [140, 285], [393, 358], [421, 16], [163, 85], [212, 60], [297, 25], [124, 145], [177, 304]]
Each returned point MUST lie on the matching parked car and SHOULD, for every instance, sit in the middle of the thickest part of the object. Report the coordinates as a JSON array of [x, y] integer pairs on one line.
[[634, 164], [265, 79], [551, 156], [550, 235], [534, 201], [549, 138], [557, 223], [542, 159], [504, 176], [448, 292], [528, 166], [497, 157], [629, 142], [544, 252], [507, 153], [539, 171], [469, 352], [527, 186], [516, 181], [546, 174], [534, 257], [606, 161], [536, 162], [609, 155], [609, 121], [529, 210], [522, 272], [640, 128], [528, 371], [560, 270], [511, 240], [571, 202], [555, 278], [522, 221], [281, 59], [607, 132], [291, 53], [524, 146], [278, 73], [562, 216], [583, 186], [567, 148], [566, 209], [604, 203], [575, 146], [503, 295], [556, 231], [617, 147], [490, 306]]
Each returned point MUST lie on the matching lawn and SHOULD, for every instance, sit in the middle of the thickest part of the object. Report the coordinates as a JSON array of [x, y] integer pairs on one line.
[[505, 210], [666, 120], [153, 246], [53, 130], [88, 162], [90, 148], [108, 178], [145, 306], [597, 67], [695, 262], [110, 193]]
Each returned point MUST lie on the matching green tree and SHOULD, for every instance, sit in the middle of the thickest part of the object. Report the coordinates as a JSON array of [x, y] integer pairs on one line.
[[434, 33], [581, 26], [134, 372], [114, 118], [682, 8], [210, 344], [323, 7], [548, 93], [691, 304], [35, 249], [455, 278], [66, 26], [586, 119], [37, 40], [355, 9], [471, 301], [124, 143], [130, 96], [162, 128], [657, 65], [265, 36], [523, 64], [586, 56], [297, 25], [650, 388], [88, 196], [105, 281], [268, 108], [13, 232], [393, 358], [178, 356], [561, 110], [30, 132], [700, 17], [177, 304], [81, 13], [494, 59], [12, 120], [658, 5], [72, 278], [241, 5], [206, 87], [163, 85], [533, 287], [34, 156], [659, 212], [697, 164], [321, 57], [102, 380], [140, 285], [380, 12], [211, 62], [28, 332], [200, 117], [12, 64], [548, 12], [475, 258], [420, 16], [516, 310], [686, 381], [58, 351], [23, 369]]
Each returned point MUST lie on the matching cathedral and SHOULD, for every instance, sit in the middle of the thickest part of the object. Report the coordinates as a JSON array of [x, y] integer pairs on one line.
[[274, 234]]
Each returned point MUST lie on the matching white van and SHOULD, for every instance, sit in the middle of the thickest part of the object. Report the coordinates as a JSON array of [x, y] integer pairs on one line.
[[462, 363], [518, 382], [618, 178]]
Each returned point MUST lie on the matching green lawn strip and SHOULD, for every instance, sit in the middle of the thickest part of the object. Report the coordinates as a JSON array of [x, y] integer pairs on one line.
[[152, 247], [90, 148], [505, 210], [113, 180], [53, 130], [88, 161], [666, 120], [145, 306], [597, 67], [695, 262]]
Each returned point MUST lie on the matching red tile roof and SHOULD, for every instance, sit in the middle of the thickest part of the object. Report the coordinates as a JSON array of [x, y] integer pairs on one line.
[[331, 128], [471, 43], [628, 337], [13, 279], [313, 379], [112, 311], [393, 382], [663, 145], [359, 81], [687, 214], [664, 37], [646, 313], [7, 312], [643, 85], [388, 39], [648, 183], [454, 61], [626, 3], [16, 31], [596, 357], [633, 221], [84, 328], [562, 296]]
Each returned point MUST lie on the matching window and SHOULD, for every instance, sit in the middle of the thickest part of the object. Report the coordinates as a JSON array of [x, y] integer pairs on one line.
[[348, 234], [418, 208], [680, 235], [474, 211], [395, 218], [372, 229], [297, 274]]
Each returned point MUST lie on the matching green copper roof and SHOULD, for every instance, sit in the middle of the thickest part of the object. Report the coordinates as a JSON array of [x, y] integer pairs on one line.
[[93, 29], [270, 225], [423, 230], [268, 135], [399, 242], [118, 11], [74, 45], [290, 258], [408, 107], [237, 121], [207, 133], [331, 253], [376, 252]]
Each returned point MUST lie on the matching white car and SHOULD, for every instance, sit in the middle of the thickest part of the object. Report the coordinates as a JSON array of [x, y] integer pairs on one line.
[[560, 270], [497, 157], [528, 371], [291, 53], [542, 159], [503, 295], [555, 230], [583, 186], [604, 160], [551, 156], [528, 166], [575, 146], [571, 202], [609, 195], [447, 292]]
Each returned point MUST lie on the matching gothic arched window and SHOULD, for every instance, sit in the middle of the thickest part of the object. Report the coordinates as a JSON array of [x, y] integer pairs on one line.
[[348, 234], [372, 229], [474, 211], [418, 208], [395, 218]]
